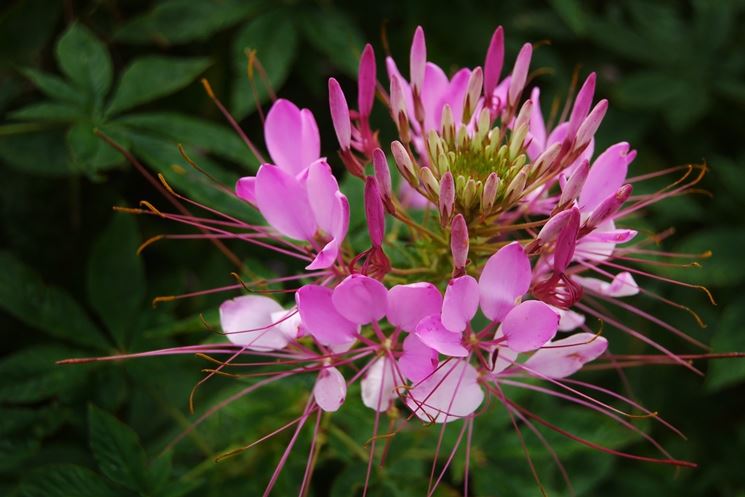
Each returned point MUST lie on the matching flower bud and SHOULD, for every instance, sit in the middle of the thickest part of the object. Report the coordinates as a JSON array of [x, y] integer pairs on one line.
[[340, 114], [590, 125], [470, 193], [383, 177], [582, 104], [429, 181], [566, 240], [607, 208], [493, 63], [459, 242], [404, 163], [473, 91], [574, 184], [417, 60], [516, 187], [447, 197], [366, 81], [523, 117], [374, 212], [489, 195], [448, 124]]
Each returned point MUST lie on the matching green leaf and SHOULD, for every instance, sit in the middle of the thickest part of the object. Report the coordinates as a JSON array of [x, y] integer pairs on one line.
[[31, 375], [152, 77], [85, 60], [65, 480], [729, 337], [336, 36], [572, 12], [48, 111], [54, 87], [274, 38], [89, 153], [187, 130], [117, 450], [182, 21], [24, 295], [116, 278], [650, 89]]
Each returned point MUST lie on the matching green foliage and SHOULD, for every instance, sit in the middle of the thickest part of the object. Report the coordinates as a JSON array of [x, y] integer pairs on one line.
[[72, 285]]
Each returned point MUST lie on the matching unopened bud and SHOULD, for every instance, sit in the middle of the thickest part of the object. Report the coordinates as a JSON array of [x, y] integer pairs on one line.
[[493, 63], [516, 141], [582, 104], [590, 125], [404, 163], [470, 193], [574, 184], [523, 117], [473, 91], [516, 187], [448, 124], [447, 197], [340, 114], [429, 181], [459, 242], [489, 196], [545, 161], [374, 212], [607, 208], [417, 60], [366, 81], [383, 177]]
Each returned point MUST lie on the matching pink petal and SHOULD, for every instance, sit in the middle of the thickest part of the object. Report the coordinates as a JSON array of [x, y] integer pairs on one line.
[[529, 325], [379, 386], [320, 317], [291, 136], [452, 392], [409, 304], [461, 303], [565, 357], [455, 96], [360, 299], [340, 114], [568, 319], [404, 87], [590, 125], [519, 74], [248, 321], [537, 126], [366, 81], [289, 323], [417, 361], [245, 189], [607, 174], [283, 202], [505, 277], [417, 58], [330, 389], [434, 89], [322, 187], [434, 335], [494, 61], [623, 285], [327, 256]]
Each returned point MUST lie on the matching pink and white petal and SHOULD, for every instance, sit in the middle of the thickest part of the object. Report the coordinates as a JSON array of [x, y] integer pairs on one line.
[[434, 335], [568, 319], [612, 236], [322, 187], [248, 321], [327, 256], [623, 285], [505, 358], [291, 136], [361, 299], [320, 317], [565, 357], [379, 386], [417, 361], [330, 389], [593, 247], [245, 189], [434, 89], [393, 72], [283, 202], [505, 277], [529, 326], [409, 304], [456, 94], [288, 322], [452, 392], [460, 303], [537, 126], [607, 175]]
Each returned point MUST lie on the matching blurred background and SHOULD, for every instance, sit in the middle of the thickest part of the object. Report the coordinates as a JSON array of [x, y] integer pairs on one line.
[[71, 284]]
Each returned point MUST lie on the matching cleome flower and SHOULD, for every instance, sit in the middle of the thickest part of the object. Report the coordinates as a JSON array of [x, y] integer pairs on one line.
[[494, 242]]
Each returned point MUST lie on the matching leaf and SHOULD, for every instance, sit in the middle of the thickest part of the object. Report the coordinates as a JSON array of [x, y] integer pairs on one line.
[[65, 480], [116, 278], [117, 450], [152, 77], [187, 130], [336, 36], [89, 153], [274, 38], [48, 111], [182, 21], [729, 337], [85, 60], [650, 89], [25, 28], [54, 87], [25, 296], [31, 375]]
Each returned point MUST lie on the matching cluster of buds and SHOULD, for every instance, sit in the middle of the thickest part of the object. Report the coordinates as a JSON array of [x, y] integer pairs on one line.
[[527, 243]]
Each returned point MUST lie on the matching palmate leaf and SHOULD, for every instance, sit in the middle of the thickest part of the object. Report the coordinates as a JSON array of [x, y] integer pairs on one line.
[[24, 295], [152, 77], [87, 152], [54, 87], [116, 278], [85, 60], [42, 153], [274, 38]]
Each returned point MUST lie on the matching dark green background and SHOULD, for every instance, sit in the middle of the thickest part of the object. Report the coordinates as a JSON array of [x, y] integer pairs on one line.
[[70, 284]]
